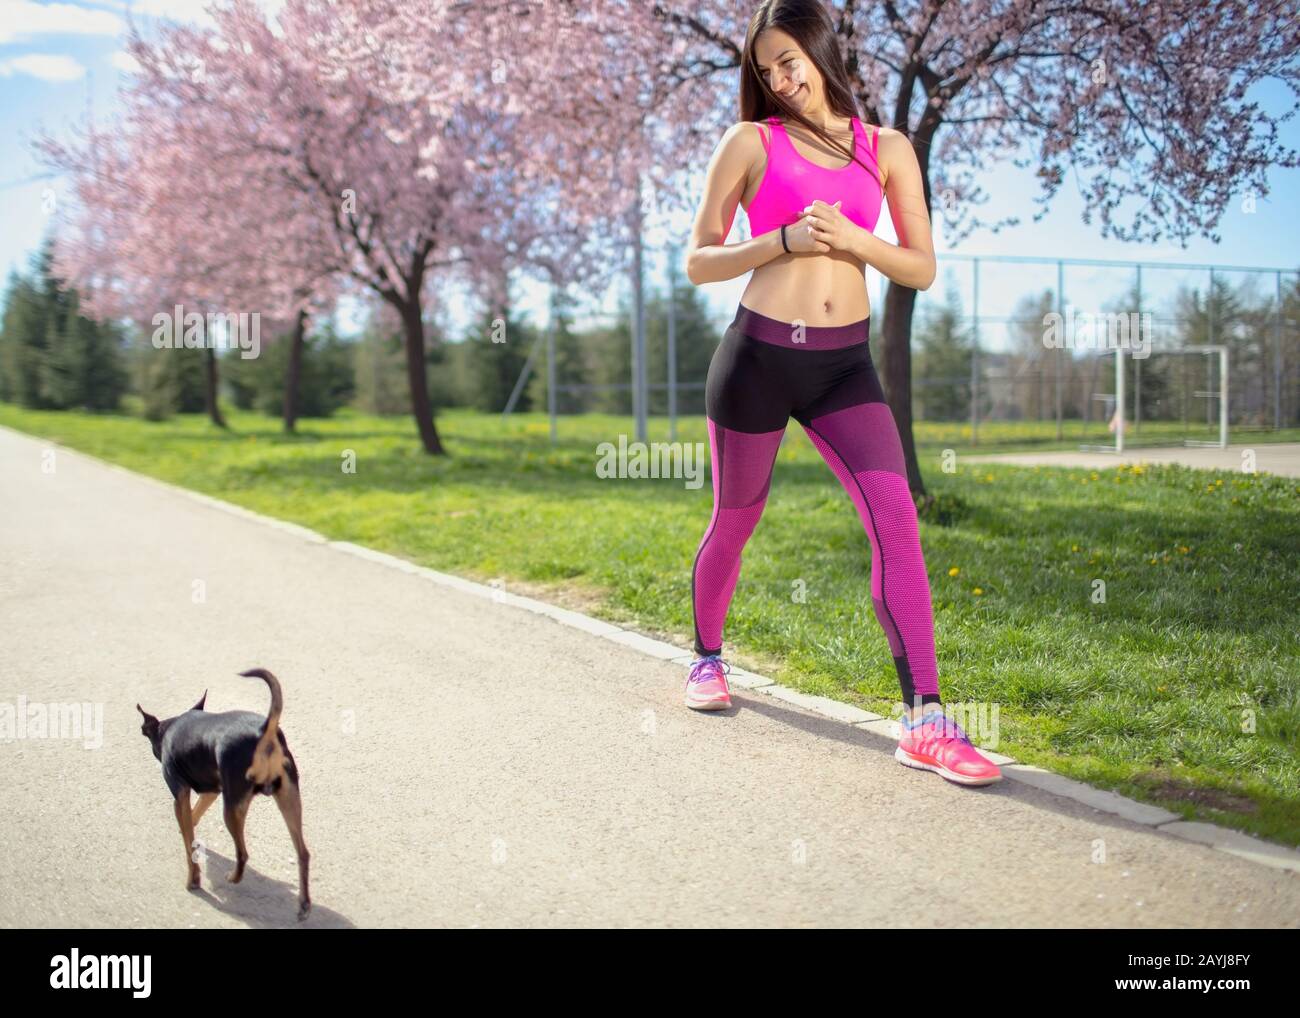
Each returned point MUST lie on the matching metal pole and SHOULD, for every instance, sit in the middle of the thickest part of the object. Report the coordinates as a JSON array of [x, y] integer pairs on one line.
[[1186, 398], [522, 379], [1137, 362], [1119, 399], [1104, 262], [1209, 364], [1223, 396], [1060, 310], [974, 364], [672, 345], [1277, 359], [551, 400], [638, 324]]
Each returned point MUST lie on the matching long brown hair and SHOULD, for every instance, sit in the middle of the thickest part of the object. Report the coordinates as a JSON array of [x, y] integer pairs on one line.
[[807, 22]]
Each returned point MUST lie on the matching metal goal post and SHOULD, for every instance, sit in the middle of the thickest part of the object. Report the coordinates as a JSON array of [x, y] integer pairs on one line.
[[1119, 417]]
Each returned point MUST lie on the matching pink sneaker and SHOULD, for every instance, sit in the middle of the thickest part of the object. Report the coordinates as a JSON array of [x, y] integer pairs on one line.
[[706, 686], [937, 743]]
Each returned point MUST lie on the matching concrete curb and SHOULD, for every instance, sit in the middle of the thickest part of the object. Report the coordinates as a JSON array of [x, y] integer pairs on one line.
[[1223, 839]]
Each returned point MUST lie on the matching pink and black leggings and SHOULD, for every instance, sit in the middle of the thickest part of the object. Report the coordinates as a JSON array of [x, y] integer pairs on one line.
[[764, 372]]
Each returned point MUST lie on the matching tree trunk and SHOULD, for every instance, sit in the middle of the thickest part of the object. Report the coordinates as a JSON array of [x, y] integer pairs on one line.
[[413, 324], [210, 388], [294, 375], [896, 374], [900, 304]]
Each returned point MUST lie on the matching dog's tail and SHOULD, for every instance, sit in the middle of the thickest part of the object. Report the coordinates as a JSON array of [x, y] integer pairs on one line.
[[268, 757]]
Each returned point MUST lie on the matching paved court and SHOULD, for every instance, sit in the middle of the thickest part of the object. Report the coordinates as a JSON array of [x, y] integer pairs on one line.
[[1275, 458]]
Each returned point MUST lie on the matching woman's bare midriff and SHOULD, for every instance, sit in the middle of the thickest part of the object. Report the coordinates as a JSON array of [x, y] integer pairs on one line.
[[817, 289]]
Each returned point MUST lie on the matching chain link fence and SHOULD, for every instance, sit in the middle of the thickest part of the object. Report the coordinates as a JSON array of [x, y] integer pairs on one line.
[[1023, 351]]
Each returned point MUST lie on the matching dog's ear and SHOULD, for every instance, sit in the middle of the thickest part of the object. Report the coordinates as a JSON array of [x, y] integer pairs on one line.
[[202, 700], [150, 726]]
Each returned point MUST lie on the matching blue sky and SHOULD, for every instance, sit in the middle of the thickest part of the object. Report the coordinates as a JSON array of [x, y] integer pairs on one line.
[[59, 59]]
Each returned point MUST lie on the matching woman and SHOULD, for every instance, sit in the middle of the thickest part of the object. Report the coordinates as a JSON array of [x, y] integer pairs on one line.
[[811, 177]]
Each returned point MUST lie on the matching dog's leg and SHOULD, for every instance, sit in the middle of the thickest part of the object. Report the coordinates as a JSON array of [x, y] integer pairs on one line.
[[288, 798], [206, 799], [185, 821], [235, 813]]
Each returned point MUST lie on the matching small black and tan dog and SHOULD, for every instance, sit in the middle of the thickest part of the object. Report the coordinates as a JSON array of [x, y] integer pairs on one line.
[[236, 754]]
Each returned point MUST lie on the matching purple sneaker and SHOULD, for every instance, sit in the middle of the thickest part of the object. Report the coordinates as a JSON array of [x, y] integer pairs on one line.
[[706, 686]]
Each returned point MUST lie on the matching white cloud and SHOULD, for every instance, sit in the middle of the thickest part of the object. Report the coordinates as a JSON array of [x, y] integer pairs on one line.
[[123, 61], [187, 11], [177, 10], [184, 11], [21, 19], [45, 66]]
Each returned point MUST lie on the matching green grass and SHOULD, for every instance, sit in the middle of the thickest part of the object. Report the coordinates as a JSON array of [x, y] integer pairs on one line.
[[1146, 693]]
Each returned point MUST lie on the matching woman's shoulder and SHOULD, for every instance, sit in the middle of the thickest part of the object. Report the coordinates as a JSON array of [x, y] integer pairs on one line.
[[746, 134], [742, 147], [887, 135]]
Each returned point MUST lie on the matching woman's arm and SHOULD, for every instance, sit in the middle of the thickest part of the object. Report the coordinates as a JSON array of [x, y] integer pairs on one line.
[[708, 258], [910, 262]]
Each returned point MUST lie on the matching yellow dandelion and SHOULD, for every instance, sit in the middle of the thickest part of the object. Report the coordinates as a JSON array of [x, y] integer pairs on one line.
[[978, 591], [953, 571]]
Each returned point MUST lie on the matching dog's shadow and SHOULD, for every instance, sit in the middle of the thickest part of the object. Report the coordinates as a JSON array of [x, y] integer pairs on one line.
[[259, 901]]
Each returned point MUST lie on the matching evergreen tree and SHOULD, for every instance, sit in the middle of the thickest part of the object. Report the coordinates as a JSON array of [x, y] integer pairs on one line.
[[610, 358], [497, 350], [1032, 362], [696, 338], [379, 365], [572, 363], [22, 342], [1214, 317], [943, 362], [51, 356], [327, 379], [171, 381]]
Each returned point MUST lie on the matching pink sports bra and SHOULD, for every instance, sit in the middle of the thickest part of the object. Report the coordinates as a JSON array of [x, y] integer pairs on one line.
[[791, 182]]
